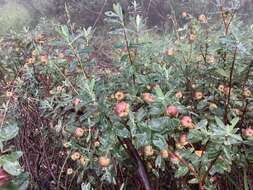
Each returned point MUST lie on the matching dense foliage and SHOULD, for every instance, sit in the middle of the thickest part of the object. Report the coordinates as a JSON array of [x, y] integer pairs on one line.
[[171, 111]]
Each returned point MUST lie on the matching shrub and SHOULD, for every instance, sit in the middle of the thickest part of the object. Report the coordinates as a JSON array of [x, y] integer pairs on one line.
[[178, 106]]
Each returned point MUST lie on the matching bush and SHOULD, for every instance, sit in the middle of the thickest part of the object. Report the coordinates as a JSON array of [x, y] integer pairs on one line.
[[174, 111]]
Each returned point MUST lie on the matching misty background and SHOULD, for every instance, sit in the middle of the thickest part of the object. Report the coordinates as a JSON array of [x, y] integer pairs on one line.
[[15, 14]]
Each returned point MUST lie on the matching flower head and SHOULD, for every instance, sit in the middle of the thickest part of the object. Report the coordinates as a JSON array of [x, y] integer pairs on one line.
[[96, 143], [198, 95], [192, 37], [76, 101], [179, 95], [183, 139], [170, 52], [171, 111], [248, 132], [9, 94], [121, 109], [75, 156], [184, 14], [164, 153], [79, 132], [119, 96], [147, 97], [202, 18], [210, 59], [212, 106], [221, 88], [148, 150], [43, 58], [59, 89], [82, 161], [70, 171], [246, 92], [186, 121], [104, 161]]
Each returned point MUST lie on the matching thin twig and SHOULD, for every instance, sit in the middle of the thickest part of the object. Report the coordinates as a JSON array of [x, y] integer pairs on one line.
[[128, 49], [62, 168], [230, 87], [72, 86], [79, 60], [99, 15]]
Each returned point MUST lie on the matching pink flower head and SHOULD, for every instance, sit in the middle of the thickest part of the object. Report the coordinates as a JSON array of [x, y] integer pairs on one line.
[[248, 132], [171, 111], [76, 101], [121, 109], [186, 121]]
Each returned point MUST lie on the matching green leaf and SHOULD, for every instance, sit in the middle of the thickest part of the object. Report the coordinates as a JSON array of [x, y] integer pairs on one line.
[[159, 141], [12, 157], [8, 132], [24, 186], [162, 124], [155, 110], [203, 123], [140, 114], [234, 121], [236, 137], [142, 138], [195, 136], [202, 104], [65, 30], [118, 10], [220, 167], [124, 58], [222, 72], [181, 171], [123, 133], [86, 186], [212, 152], [227, 153], [13, 168], [159, 92], [219, 122]]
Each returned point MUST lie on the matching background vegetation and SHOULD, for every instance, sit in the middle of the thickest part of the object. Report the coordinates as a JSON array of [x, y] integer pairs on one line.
[[17, 13]]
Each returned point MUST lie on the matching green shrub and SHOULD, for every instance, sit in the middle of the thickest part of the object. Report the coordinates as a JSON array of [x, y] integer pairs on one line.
[[177, 106]]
